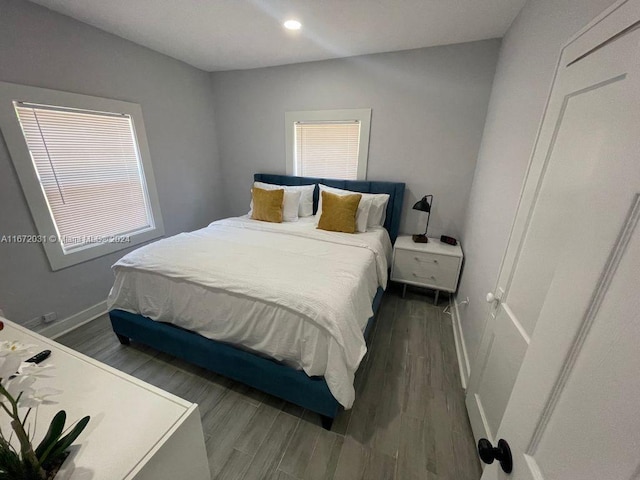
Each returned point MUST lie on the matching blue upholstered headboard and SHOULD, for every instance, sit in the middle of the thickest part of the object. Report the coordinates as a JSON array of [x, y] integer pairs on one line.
[[394, 189]]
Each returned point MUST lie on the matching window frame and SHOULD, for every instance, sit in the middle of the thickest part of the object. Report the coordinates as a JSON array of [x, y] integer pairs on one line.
[[28, 177], [362, 115]]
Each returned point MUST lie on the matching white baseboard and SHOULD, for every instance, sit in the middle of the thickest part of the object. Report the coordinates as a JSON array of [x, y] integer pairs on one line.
[[65, 325], [461, 346]]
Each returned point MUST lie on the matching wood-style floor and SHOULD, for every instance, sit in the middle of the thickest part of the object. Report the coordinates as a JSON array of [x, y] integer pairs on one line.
[[409, 420]]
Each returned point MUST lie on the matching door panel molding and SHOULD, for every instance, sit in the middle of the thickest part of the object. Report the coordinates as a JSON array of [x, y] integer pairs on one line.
[[488, 433], [534, 468], [606, 42], [520, 229], [516, 323], [503, 355], [610, 23], [617, 252], [477, 401]]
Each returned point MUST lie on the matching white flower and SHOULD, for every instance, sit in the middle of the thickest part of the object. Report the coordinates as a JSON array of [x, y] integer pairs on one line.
[[11, 354], [9, 365], [35, 398], [34, 370], [20, 384], [8, 348]]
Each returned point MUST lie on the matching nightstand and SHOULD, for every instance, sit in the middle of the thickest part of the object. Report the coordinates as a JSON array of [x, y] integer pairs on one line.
[[434, 265]]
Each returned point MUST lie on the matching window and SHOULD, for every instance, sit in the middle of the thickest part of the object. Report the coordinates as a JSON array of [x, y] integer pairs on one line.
[[84, 167], [328, 143]]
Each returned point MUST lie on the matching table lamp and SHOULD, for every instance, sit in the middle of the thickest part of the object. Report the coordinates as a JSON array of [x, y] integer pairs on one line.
[[423, 205]]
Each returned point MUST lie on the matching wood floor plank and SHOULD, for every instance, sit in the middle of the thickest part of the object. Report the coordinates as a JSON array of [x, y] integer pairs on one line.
[[127, 359], [197, 390], [235, 466], [352, 461], [417, 341], [93, 330], [399, 344], [386, 438], [341, 422], [417, 454], [442, 435], [417, 391], [464, 450], [279, 475], [324, 459], [224, 423], [300, 448], [434, 349], [98, 350], [451, 369], [155, 372], [256, 431], [379, 466], [458, 412], [362, 427], [267, 458]]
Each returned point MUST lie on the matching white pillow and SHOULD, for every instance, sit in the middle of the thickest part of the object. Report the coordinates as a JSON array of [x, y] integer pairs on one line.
[[378, 211], [290, 206], [290, 203], [305, 207], [362, 214]]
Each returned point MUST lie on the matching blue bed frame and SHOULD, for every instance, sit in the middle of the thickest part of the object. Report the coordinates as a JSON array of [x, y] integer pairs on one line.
[[262, 373]]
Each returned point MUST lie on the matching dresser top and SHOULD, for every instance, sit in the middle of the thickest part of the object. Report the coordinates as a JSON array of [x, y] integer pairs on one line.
[[434, 245], [128, 417]]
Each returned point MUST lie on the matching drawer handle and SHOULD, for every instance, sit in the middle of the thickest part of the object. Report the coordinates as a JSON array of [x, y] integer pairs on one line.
[[418, 259], [422, 276]]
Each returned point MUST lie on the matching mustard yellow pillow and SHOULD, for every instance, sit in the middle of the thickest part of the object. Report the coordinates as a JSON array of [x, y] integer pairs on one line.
[[267, 204], [339, 212]]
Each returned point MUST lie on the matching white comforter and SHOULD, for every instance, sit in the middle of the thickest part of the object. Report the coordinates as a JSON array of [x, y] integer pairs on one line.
[[324, 281]]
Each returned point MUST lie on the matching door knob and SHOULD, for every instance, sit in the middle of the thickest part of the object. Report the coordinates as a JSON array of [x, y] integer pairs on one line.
[[502, 453], [491, 297]]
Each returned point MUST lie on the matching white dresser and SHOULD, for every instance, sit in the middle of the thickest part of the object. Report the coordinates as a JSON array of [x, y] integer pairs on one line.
[[434, 265], [137, 431]]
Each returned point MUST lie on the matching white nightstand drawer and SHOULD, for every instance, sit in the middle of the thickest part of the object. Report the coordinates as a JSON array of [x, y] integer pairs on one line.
[[426, 268]]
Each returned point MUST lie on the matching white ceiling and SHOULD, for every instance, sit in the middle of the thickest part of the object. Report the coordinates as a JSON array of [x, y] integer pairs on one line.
[[237, 34]]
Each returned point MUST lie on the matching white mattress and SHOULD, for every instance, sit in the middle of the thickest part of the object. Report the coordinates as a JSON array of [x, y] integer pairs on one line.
[[288, 291]]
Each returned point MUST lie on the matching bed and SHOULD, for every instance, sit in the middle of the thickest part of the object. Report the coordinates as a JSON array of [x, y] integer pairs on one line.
[[268, 346]]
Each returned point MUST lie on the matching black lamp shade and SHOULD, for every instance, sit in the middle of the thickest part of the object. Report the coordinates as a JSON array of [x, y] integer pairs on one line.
[[423, 204]]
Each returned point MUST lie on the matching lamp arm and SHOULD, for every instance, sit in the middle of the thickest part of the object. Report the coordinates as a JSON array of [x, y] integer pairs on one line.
[[428, 217]]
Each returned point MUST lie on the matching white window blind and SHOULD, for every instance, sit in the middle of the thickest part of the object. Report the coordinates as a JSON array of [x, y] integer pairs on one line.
[[327, 149], [89, 168]]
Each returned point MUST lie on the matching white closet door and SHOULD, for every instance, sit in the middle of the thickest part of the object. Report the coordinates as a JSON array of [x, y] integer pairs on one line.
[[561, 356]]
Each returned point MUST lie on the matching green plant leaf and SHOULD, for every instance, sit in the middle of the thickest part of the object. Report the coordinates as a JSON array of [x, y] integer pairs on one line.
[[9, 460], [53, 434], [12, 468], [66, 441]]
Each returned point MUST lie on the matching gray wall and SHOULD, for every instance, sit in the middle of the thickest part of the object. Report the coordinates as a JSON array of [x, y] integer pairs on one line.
[[523, 78], [45, 49], [428, 111]]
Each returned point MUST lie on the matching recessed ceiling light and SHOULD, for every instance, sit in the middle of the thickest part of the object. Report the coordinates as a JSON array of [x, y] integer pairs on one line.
[[292, 25]]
